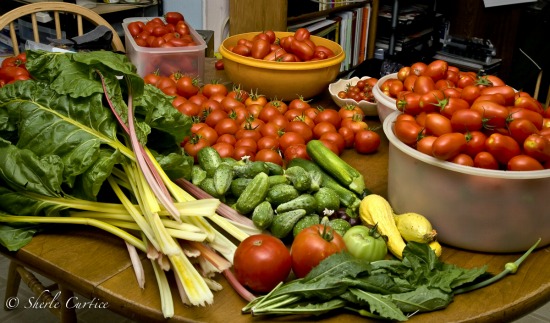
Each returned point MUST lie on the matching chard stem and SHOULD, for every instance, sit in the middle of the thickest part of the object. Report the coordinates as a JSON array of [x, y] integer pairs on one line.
[[509, 268]]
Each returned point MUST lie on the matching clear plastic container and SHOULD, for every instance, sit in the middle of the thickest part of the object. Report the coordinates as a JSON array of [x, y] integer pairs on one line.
[[471, 208], [188, 60]]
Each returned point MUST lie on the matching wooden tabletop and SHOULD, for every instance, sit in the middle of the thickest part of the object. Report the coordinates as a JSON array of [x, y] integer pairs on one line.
[[95, 264]]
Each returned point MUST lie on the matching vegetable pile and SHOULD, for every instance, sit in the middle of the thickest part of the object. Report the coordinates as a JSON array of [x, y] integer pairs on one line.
[[298, 47], [81, 145], [470, 120], [13, 69]]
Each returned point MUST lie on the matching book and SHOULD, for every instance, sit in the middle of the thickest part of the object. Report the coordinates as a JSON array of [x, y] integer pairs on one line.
[[364, 37]]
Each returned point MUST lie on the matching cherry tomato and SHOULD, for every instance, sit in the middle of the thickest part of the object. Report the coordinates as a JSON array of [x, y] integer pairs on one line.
[[329, 115], [193, 145], [322, 127], [348, 135], [224, 149], [268, 142], [312, 245], [227, 125], [448, 145], [463, 159], [261, 262], [366, 141]]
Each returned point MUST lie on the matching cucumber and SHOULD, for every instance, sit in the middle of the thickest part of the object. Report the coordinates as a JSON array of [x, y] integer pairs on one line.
[[299, 177], [254, 194], [197, 175], [238, 185], [316, 180], [250, 169], [305, 201], [223, 177], [277, 179], [263, 214], [283, 223], [306, 221], [274, 169], [347, 197], [209, 159], [331, 163], [340, 226], [326, 198], [281, 193], [230, 161]]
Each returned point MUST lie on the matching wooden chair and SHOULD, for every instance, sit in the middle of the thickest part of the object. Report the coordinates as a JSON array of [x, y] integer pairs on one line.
[[55, 8], [18, 272]]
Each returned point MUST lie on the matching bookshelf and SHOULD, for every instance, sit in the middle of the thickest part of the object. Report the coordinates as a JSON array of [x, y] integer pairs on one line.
[[279, 15]]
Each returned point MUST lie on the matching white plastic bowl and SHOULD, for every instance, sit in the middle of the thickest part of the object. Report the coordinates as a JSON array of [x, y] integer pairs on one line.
[[471, 208], [385, 104], [369, 108]]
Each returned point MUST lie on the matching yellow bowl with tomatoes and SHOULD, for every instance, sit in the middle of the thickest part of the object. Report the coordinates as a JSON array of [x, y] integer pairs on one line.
[[277, 79]]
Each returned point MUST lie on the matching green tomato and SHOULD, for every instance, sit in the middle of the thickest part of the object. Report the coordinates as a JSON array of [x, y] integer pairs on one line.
[[365, 243]]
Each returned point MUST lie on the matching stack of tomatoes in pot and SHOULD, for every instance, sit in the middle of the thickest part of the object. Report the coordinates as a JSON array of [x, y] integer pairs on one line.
[[13, 69], [469, 119]]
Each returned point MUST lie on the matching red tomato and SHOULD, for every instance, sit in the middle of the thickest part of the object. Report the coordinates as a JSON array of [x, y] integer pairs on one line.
[[423, 84], [355, 123], [329, 115], [425, 145], [301, 34], [210, 89], [312, 245], [189, 108], [431, 100], [348, 111], [520, 129], [135, 27], [418, 68], [408, 131], [187, 86], [476, 143], [522, 113], [507, 91], [209, 134], [485, 160], [408, 83], [466, 120], [272, 130], [449, 145], [302, 50], [246, 132], [470, 93], [213, 117], [366, 142], [437, 124], [451, 105], [247, 142], [268, 142], [523, 163], [227, 125], [321, 128], [502, 147], [260, 48], [290, 138], [409, 103], [301, 128], [336, 138], [269, 155], [538, 147], [243, 151], [330, 145], [436, 69], [268, 113], [227, 138], [173, 17], [224, 149], [193, 145], [261, 262], [348, 135], [463, 159], [296, 151], [278, 104], [403, 73], [494, 113]]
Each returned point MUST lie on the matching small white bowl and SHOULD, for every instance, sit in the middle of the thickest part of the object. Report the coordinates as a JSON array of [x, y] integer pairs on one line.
[[386, 104], [369, 108]]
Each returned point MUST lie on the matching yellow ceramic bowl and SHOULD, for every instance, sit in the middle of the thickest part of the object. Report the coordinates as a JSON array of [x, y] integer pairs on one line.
[[282, 80]]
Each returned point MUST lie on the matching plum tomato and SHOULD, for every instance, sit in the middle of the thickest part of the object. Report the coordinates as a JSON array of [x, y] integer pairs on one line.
[[312, 245], [449, 145], [261, 262]]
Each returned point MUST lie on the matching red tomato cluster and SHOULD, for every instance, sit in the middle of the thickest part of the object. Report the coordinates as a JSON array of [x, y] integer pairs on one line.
[[470, 120], [360, 91], [13, 69], [294, 48], [157, 33], [238, 123]]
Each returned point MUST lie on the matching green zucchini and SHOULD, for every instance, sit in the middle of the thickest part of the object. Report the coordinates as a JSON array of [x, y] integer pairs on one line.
[[283, 223], [331, 163], [254, 194], [209, 159], [347, 197]]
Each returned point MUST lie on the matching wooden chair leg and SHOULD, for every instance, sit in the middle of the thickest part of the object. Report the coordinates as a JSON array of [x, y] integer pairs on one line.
[[16, 273], [12, 285]]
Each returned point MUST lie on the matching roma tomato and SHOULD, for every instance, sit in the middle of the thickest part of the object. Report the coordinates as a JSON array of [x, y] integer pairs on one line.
[[538, 147], [520, 129], [463, 159], [436, 69], [485, 160], [523, 163], [494, 113], [261, 262], [408, 131], [502, 147], [409, 103], [366, 142], [448, 145], [423, 84], [507, 91], [312, 245], [260, 48], [437, 124], [418, 68], [450, 105], [425, 145], [476, 143], [466, 120], [522, 113]]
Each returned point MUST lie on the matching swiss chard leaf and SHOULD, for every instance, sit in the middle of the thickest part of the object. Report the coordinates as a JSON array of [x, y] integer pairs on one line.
[[15, 237]]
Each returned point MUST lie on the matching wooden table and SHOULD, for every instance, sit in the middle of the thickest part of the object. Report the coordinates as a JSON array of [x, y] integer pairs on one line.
[[95, 264]]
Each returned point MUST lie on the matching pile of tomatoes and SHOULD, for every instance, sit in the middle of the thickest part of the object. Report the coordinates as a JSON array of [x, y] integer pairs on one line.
[[298, 47], [360, 91], [238, 123], [468, 119], [13, 69], [173, 31]]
